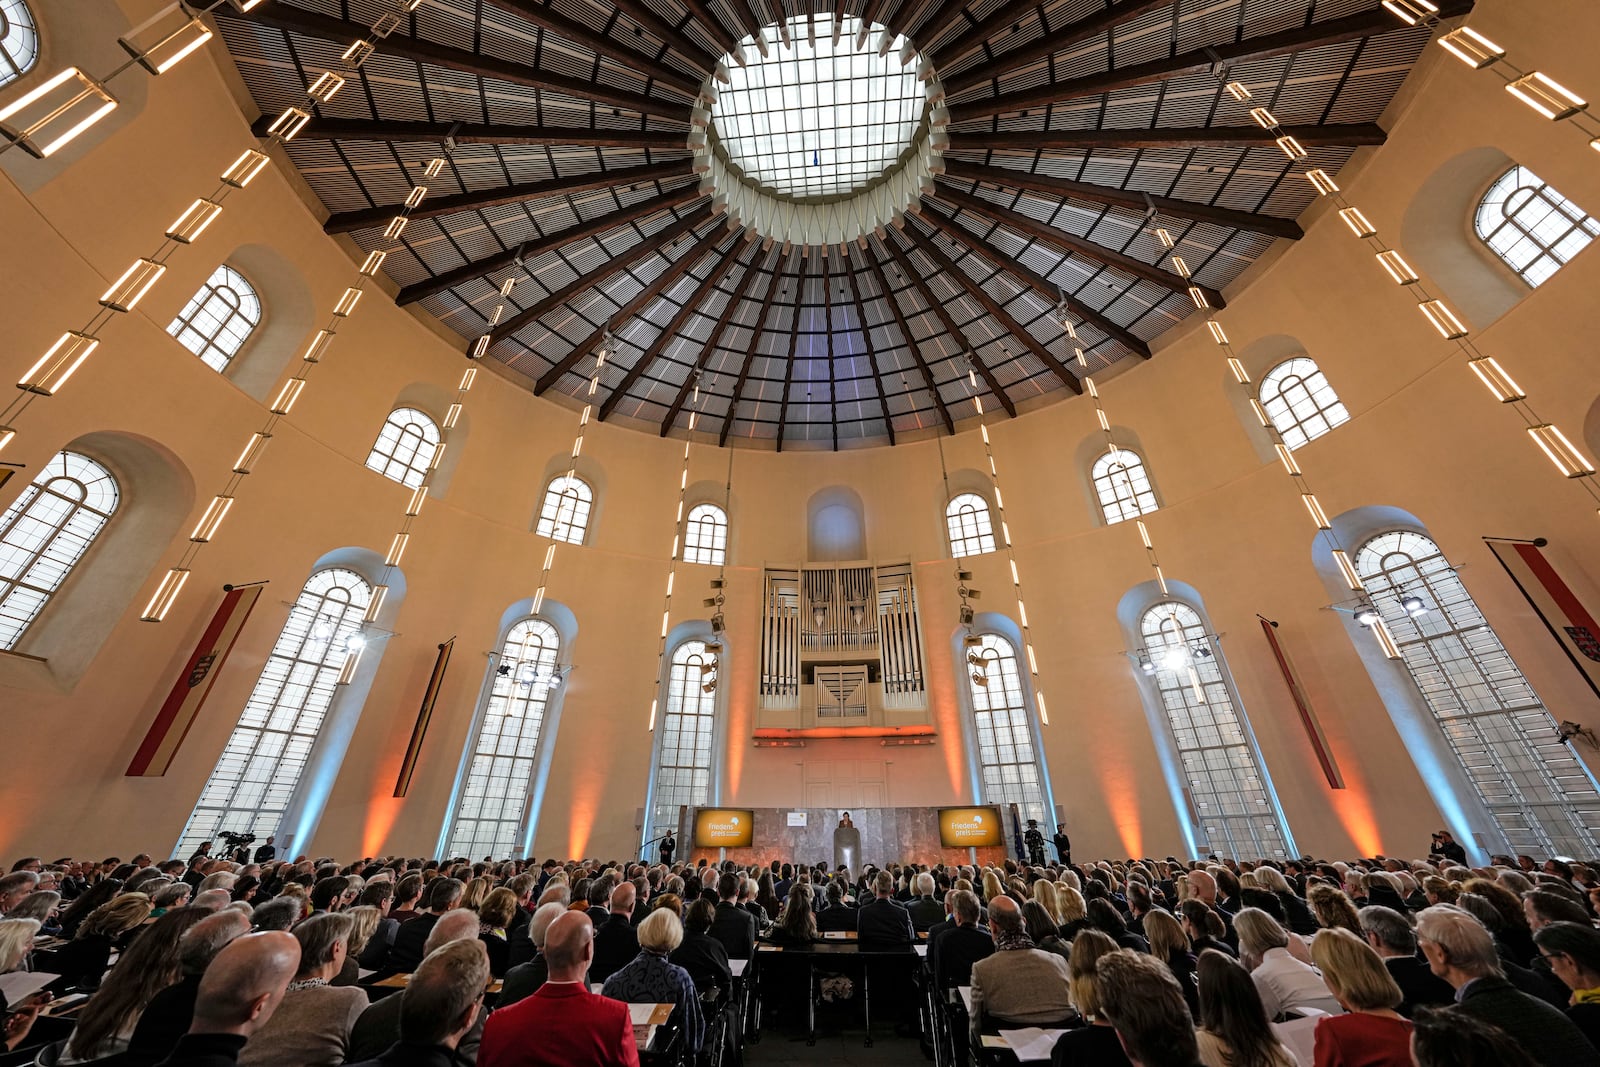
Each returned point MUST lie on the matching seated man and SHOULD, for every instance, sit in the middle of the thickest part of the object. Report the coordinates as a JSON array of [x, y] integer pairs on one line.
[[1143, 1001], [734, 927], [167, 1017], [836, 915], [378, 1026], [444, 895], [441, 1004], [525, 978], [241, 989], [1392, 938], [563, 1024], [925, 910], [961, 945], [883, 922], [615, 942], [1018, 983]]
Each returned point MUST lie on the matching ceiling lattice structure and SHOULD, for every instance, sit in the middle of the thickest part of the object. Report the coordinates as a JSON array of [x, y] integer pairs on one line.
[[1069, 122]]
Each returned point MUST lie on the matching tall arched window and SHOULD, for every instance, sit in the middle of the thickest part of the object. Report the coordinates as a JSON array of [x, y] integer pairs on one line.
[[265, 757], [1300, 402], [683, 753], [1531, 227], [1007, 761], [1533, 785], [44, 534], [493, 810], [405, 447], [705, 536], [19, 40], [564, 516], [966, 518], [218, 320], [1123, 486], [1228, 790]]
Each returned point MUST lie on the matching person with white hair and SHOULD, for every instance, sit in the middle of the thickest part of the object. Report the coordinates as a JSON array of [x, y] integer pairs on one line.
[[924, 909], [16, 940], [651, 978], [1285, 983], [1461, 950], [524, 979]]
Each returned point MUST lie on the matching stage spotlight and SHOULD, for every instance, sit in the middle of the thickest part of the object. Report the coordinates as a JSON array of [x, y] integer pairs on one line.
[[709, 687], [963, 576], [1413, 604], [323, 629], [503, 670], [1202, 652], [980, 680], [355, 643], [1175, 659], [1147, 666], [1367, 615], [709, 602], [975, 659]]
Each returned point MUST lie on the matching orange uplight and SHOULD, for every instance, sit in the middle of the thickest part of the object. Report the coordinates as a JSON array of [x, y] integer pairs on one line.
[[940, 675], [1118, 786], [741, 687], [1353, 806], [382, 811]]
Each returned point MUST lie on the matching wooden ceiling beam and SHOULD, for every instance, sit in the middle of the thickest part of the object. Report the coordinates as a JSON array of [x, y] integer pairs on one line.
[[931, 249], [1051, 291], [410, 294], [950, 325], [319, 129], [675, 269], [1106, 257], [1053, 42], [665, 337], [547, 18], [611, 267], [1129, 198], [755, 338], [621, 178], [1030, 142], [751, 270], [794, 340], [866, 339], [281, 16], [647, 19], [910, 340], [711, 24], [1197, 61]]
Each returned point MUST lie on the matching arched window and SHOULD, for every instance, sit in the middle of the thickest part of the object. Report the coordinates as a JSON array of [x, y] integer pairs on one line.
[[564, 515], [1533, 785], [705, 538], [46, 532], [218, 320], [1531, 227], [683, 754], [265, 757], [1007, 761], [1233, 809], [493, 810], [1300, 402], [1123, 486], [967, 519], [19, 40], [405, 447]]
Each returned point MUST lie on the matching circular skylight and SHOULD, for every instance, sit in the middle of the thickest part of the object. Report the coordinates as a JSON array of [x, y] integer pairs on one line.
[[820, 116]]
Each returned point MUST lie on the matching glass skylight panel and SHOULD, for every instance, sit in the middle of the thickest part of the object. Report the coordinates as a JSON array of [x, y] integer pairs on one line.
[[818, 119]]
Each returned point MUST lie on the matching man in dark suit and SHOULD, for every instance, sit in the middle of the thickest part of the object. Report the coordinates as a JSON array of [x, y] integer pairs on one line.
[[733, 926], [615, 941], [961, 945], [1392, 938], [443, 895], [563, 1024], [525, 978], [441, 1005], [924, 909], [238, 994], [884, 923], [1461, 951]]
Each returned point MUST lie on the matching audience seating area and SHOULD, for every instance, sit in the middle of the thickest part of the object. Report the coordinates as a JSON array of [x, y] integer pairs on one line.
[[1156, 963]]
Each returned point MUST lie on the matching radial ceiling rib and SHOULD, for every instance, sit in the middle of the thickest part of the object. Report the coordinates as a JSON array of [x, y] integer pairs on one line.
[[1052, 42], [548, 18], [621, 178], [866, 340], [751, 270], [711, 24], [1029, 142], [931, 249], [640, 12], [1039, 231], [465, 133], [1040, 284], [663, 338], [1316, 35], [910, 339], [674, 270], [646, 247], [757, 328], [281, 16], [794, 341], [539, 246], [1106, 194]]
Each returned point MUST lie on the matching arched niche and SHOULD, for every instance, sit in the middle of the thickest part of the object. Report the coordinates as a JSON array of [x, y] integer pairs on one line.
[[690, 630], [1090, 448], [716, 493], [435, 402], [288, 316], [585, 468], [962, 481], [156, 496], [992, 622], [1437, 234], [1258, 357], [836, 530]]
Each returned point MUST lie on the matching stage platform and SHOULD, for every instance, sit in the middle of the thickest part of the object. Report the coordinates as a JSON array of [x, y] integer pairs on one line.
[[805, 835]]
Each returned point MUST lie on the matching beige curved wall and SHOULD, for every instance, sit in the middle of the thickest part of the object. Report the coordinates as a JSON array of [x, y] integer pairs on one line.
[[1424, 437]]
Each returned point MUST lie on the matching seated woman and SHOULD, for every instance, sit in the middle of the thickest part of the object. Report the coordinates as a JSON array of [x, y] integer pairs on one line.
[[16, 941], [494, 915], [311, 1027], [107, 1021], [651, 978], [1285, 984], [82, 962], [1373, 1034], [1042, 928], [1170, 945], [702, 955], [1573, 950], [1097, 1044], [797, 924], [1233, 1026]]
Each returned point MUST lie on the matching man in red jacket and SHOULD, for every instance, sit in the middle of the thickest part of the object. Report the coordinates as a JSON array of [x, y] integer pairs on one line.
[[563, 1024]]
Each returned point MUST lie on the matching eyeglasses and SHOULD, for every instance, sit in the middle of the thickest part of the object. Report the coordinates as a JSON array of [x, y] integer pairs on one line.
[[1552, 955]]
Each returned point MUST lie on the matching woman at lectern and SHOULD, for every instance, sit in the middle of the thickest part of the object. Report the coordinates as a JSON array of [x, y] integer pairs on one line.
[[845, 820]]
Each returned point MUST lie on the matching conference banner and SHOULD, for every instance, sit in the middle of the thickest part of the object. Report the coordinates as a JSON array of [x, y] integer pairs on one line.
[[723, 827], [971, 828], [193, 686], [1563, 614]]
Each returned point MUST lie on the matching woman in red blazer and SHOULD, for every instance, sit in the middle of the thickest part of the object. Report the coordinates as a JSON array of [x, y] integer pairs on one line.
[[1373, 1034]]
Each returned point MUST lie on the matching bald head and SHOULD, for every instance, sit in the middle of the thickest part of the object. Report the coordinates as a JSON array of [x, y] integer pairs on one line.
[[456, 925], [623, 898], [212, 900], [547, 914], [1203, 885], [244, 984], [1005, 917], [569, 946]]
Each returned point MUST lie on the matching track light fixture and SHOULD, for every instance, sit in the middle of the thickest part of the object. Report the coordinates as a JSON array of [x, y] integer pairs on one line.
[[1367, 614], [1413, 604]]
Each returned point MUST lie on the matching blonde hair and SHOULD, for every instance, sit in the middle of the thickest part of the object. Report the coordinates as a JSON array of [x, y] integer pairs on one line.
[[1353, 972], [363, 924], [661, 931], [116, 917], [1270, 878], [15, 937], [1165, 933], [1071, 903], [1045, 893], [992, 886], [1333, 909], [476, 893], [1258, 933], [1087, 949]]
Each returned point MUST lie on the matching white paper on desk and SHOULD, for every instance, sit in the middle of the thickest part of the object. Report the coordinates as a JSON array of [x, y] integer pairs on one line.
[[966, 997], [921, 950], [835, 935], [20, 985], [1031, 1043], [736, 967], [640, 1013], [362, 974], [1298, 1036], [595, 987]]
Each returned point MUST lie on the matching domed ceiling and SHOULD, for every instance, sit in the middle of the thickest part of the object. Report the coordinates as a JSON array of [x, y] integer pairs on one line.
[[822, 209]]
